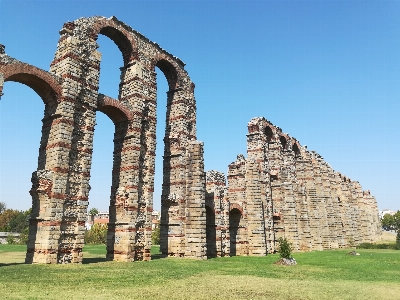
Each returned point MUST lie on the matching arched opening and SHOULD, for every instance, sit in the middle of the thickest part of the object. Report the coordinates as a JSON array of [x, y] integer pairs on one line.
[[162, 94], [283, 141], [234, 222], [23, 127], [296, 149], [268, 133], [101, 179], [211, 234], [123, 44], [21, 112], [102, 159]]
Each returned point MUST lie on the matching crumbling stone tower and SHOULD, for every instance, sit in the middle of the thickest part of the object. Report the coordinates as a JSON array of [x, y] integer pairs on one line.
[[60, 185]]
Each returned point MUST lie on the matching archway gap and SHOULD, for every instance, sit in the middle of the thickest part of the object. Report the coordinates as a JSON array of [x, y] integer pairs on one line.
[[21, 112], [268, 133], [169, 72], [235, 217], [120, 40], [103, 146], [283, 141], [162, 89]]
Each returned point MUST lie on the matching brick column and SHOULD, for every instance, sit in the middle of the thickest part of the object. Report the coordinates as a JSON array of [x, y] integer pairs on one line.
[[129, 232], [78, 63]]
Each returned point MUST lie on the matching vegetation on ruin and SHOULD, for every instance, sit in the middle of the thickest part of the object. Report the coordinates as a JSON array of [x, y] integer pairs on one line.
[[319, 275]]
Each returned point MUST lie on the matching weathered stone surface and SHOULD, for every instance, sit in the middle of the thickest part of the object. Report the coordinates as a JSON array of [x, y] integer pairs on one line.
[[284, 190], [60, 186]]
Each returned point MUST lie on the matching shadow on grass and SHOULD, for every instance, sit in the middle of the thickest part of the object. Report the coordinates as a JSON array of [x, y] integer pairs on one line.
[[93, 260], [157, 256], [11, 264]]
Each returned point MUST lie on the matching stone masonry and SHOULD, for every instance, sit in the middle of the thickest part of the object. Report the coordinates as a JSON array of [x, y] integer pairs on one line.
[[60, 185], [280, 190], [283, 190]]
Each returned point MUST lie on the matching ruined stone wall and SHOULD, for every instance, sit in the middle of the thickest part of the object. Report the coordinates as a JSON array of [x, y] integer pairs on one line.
[[287, 191], [60, 186]]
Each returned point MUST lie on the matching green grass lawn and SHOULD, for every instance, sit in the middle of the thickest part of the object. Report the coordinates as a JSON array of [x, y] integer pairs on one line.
[[375, 274]]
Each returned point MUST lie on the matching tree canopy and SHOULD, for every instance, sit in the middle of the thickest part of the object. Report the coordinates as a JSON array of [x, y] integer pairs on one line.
[[93, 211], [392, 222], [14, 220], [2, 207]]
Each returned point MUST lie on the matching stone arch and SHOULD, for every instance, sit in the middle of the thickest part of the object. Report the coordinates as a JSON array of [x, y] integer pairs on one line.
[[113, 108], [45, 85], [296, 148], [284, 141], [44, 190], [268, 133], [236, 206], [170, 71], [117, 32], [75, 74]]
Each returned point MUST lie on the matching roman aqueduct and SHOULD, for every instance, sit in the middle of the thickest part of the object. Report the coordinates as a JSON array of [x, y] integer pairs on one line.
[[281, 189]]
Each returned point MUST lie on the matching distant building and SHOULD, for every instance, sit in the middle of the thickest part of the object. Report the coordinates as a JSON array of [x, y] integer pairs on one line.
[[155, 219], [101, 218], [386, 211]]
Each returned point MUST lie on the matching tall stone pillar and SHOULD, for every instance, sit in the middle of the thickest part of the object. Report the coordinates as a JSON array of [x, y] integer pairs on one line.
[[255, 217], [184, 185], [69, 129], [195, 211], [129, 231], [289, 208]]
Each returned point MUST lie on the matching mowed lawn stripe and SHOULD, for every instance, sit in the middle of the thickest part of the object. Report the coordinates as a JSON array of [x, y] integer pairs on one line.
[[319, 275]]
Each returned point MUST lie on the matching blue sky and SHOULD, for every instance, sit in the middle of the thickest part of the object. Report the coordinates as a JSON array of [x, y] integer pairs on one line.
[[326, 72]]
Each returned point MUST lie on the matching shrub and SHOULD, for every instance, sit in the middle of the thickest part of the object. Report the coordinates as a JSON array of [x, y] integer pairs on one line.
[[23, 237], [155, 236], [97, 234], [11, 240], [285, 248], [391, 246]]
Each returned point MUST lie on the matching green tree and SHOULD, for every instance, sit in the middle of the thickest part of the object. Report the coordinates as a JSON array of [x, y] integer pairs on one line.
[[3, 207], [392, 222], [93, 212], [155, 236], [20, 222], [15, 221], [285, 248], [97, 234], [6, 217]]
